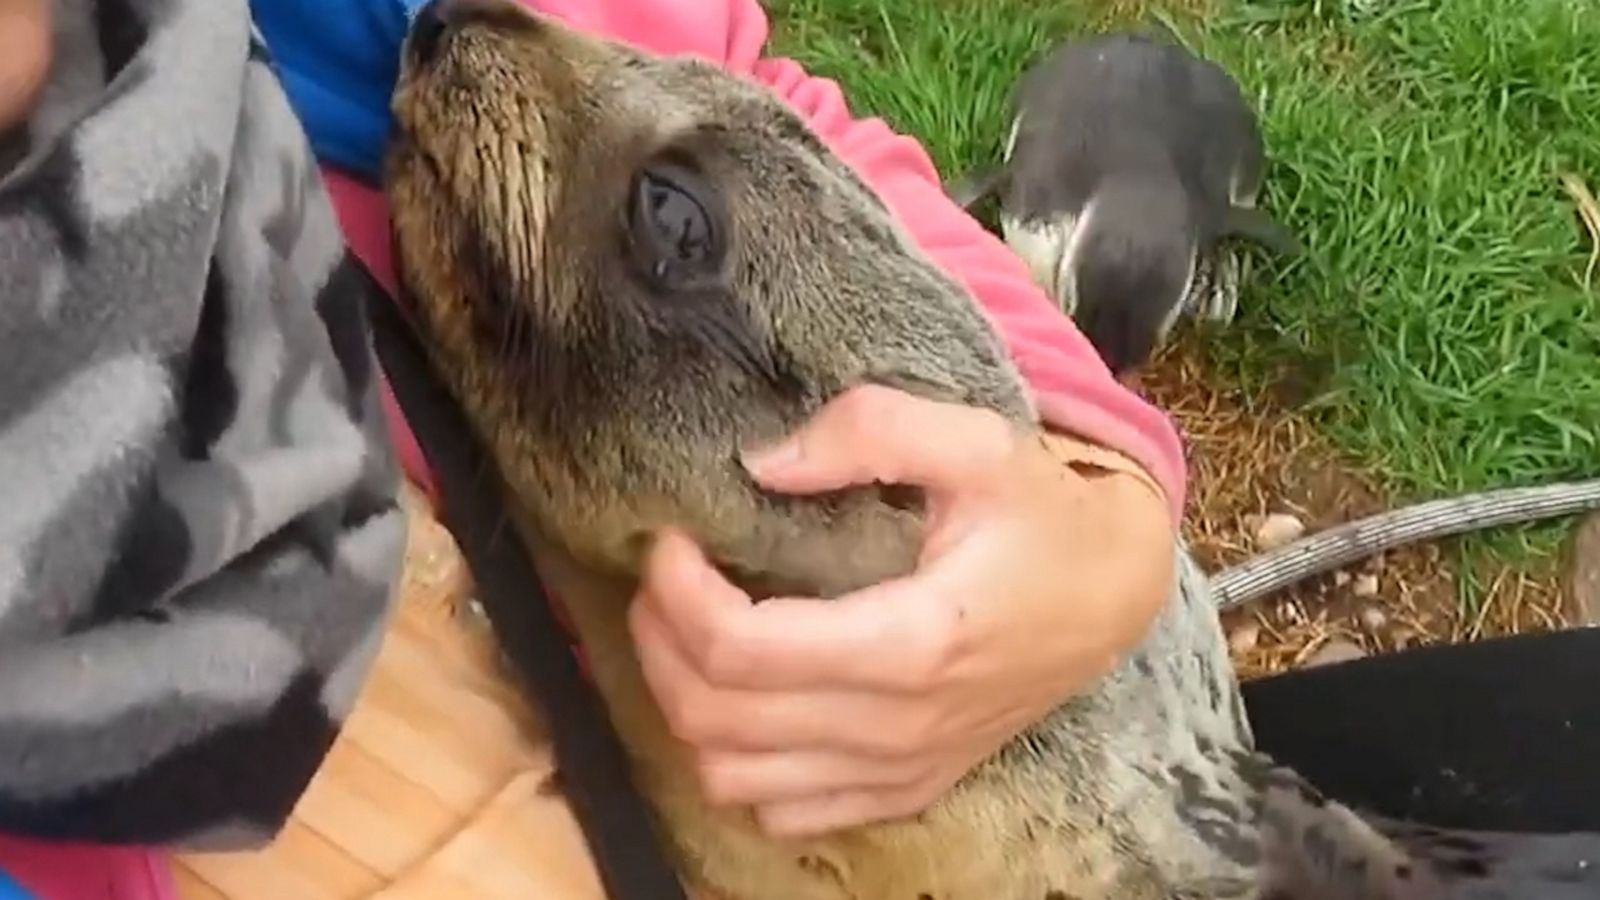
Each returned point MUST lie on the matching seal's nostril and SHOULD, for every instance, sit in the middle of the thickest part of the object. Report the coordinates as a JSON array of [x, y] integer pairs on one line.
[[427, 32]]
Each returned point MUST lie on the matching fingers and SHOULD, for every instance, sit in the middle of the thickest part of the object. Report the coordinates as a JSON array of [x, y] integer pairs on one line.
[[898, 636], [710, 716], [704, 612], [851, 808], [874, 433], [754, 779], [25, 50]]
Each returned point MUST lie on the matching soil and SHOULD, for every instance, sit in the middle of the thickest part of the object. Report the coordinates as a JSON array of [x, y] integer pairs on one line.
[[1249, 456]]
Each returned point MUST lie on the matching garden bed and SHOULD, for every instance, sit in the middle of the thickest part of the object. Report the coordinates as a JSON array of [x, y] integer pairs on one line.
[[1250, 458]]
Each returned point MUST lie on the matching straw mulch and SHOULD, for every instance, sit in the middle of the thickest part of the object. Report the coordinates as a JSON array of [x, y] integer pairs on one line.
[[1248, 458]]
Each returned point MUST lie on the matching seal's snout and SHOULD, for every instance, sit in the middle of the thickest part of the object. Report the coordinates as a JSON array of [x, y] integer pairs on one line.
[[428, 32], [434, 24]]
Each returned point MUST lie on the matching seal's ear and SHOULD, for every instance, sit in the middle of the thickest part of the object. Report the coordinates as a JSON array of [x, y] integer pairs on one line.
[[676, 224]]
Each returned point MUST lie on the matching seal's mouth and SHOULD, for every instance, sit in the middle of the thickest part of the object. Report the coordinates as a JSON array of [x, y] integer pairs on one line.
[[476, 76], [472, 134], [437, 23], [480, 42]]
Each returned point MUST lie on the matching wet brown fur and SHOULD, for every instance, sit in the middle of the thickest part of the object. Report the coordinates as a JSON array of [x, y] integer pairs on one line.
[[508, 181], [612, 411]]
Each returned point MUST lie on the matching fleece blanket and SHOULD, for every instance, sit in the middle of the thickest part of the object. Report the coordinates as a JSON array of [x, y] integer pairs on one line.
[[199, 533]]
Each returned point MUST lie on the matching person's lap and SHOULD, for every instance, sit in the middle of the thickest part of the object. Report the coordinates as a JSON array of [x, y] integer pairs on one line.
[[1500, 734], [34, 870]]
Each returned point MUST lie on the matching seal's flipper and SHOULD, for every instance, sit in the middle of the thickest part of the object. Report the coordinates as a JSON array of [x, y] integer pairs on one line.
[[1314, 846], [976, 186], [1546, 866], [1253, 223]]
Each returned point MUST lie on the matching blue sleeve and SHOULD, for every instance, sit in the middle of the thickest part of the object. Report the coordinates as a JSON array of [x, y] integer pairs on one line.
[[338, 60], [10, 890]]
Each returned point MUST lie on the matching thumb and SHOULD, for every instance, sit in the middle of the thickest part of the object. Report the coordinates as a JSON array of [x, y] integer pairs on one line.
[[878, 434]]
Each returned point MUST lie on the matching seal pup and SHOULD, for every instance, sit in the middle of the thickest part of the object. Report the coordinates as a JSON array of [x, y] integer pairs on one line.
[[627, 267], [1128, 160]]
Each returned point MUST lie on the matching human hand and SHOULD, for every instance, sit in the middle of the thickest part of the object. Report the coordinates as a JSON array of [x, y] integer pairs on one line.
[[1035, 577], [24, 56]]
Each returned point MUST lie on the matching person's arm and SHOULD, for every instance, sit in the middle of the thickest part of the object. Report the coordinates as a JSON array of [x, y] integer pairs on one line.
[[1075, 393], [203, 537], [1074, 390]]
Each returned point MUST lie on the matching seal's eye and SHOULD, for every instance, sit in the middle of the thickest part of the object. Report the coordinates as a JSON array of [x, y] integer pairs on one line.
[[674, 229]]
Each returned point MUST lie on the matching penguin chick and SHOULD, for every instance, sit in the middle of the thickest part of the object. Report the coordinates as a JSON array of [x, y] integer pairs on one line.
[[1120, 266], [1129, 160]]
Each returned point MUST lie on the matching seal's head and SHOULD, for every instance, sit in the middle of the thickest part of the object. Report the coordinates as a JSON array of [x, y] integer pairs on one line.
[[629, 267]]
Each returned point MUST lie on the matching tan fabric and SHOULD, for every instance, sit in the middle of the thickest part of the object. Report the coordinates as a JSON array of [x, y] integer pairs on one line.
[[438, 788]]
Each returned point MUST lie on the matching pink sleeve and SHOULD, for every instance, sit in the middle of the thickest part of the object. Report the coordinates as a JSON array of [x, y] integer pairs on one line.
[[1074, 391]]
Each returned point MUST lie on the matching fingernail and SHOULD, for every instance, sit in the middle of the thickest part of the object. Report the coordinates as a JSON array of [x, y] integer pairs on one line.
[[773, 458]]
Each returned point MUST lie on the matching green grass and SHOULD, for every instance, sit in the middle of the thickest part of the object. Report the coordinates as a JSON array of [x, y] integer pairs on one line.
[[1439, 329]]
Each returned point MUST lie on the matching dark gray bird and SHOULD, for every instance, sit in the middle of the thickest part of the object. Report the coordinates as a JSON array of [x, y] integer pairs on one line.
[[1129, 159]]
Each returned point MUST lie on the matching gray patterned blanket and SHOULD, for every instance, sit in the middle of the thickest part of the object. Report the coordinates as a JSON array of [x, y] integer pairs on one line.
[[199, 534]]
